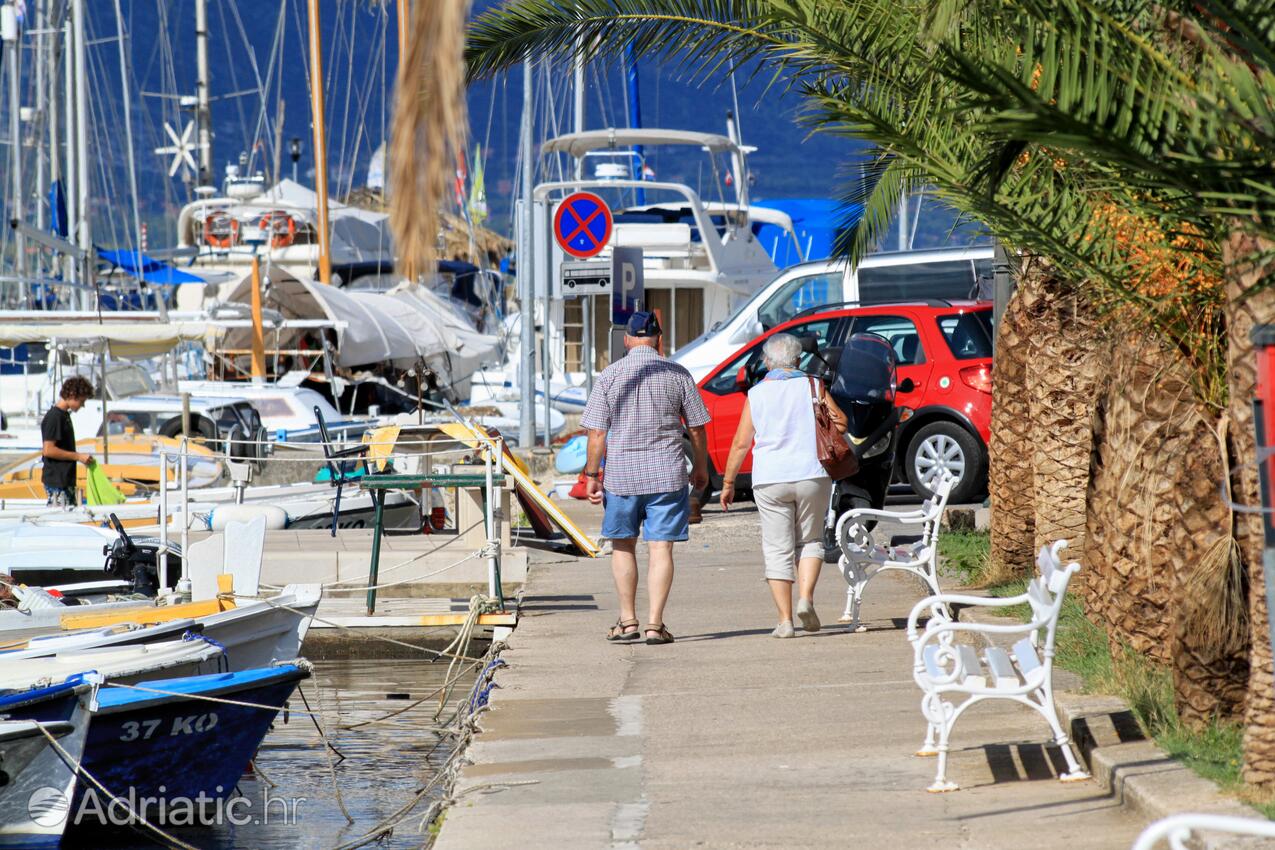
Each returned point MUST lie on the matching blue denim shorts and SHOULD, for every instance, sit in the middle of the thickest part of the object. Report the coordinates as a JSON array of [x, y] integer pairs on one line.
[[659, 516]]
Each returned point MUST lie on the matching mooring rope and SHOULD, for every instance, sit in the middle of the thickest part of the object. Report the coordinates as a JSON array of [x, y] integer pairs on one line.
[[80, 770]]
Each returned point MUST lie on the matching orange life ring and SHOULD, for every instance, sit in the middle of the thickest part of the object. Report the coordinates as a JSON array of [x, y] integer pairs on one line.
[[221, 229], [281, 227]]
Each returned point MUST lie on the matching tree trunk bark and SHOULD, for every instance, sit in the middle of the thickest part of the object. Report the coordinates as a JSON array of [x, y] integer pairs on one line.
[[1068, 359], [1010, 483], [1157, 520]]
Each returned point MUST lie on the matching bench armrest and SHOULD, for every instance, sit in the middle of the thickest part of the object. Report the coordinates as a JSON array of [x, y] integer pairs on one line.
[[906, 517], [930, 602]]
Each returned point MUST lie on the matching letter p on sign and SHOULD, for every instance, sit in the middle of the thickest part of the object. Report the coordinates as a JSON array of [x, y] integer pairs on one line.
[[626, 278]]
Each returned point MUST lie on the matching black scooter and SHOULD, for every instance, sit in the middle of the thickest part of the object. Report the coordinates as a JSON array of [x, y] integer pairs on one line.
[[862, 378]]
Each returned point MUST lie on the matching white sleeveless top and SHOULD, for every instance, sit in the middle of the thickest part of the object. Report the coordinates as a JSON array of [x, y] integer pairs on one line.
[[784, 420]]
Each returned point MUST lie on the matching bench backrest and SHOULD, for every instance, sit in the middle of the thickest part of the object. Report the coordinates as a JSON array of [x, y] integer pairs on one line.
[[1046, 591]]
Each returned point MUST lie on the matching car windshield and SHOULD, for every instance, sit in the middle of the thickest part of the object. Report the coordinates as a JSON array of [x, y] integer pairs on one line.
[[968, 335]]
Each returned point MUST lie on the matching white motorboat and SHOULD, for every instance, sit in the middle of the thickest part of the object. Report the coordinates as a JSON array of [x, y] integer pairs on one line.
[[120, 664], [254, 634]]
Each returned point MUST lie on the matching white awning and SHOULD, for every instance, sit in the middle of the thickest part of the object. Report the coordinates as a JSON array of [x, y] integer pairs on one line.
[[123, 339], [578, 144]]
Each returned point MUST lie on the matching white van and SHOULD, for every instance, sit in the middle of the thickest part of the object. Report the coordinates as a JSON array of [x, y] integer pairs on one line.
[[954, 273]]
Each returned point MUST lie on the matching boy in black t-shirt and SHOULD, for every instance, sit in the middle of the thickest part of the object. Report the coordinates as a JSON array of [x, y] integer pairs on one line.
[[58, 436]]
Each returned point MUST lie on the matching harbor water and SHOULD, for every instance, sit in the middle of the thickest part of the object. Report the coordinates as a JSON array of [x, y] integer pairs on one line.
[[289, 801]]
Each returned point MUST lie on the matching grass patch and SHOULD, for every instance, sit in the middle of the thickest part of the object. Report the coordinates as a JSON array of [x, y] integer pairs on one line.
[[965, 553], [1082, 648]]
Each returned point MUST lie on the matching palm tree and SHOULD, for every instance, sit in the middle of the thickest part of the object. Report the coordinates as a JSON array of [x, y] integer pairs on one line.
[[428, 131], [1055, 129]]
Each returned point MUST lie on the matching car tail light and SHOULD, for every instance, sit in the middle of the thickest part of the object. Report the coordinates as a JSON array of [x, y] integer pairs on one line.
[[978, 378]]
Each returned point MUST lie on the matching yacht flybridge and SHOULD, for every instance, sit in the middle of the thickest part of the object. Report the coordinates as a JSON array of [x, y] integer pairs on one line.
[[278, 224], [701, 257]]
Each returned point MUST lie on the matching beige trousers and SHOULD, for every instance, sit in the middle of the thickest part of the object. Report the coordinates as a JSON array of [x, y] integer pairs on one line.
[[792, 514]]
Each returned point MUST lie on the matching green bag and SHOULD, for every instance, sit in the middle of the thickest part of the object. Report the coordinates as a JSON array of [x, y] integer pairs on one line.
[[99, 489]]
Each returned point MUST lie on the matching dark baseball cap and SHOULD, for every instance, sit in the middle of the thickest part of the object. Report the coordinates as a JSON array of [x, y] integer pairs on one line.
[[643, 323]]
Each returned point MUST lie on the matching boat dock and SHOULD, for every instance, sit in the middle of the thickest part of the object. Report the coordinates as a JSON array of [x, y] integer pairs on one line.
[[730, 738]]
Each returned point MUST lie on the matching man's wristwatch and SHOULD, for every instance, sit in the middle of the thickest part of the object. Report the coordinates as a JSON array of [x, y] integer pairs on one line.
[[593, 475]]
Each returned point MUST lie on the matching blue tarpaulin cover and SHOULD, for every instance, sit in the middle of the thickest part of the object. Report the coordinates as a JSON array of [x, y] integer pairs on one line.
[[149, 269]]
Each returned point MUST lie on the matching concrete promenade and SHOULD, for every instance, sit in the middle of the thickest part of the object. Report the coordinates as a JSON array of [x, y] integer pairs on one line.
[[730, 738]]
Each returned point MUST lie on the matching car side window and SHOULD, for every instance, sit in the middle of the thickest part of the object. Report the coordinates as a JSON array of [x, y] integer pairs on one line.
[[800, 293], [823, 330], [910, 281], [899, 331], [723, 383]]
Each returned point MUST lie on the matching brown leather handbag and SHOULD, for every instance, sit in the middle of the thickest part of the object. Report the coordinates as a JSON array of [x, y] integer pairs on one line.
[[834, 452]]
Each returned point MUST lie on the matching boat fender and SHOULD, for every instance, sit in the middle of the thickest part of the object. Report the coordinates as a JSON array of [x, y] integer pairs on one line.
[[275, 516]]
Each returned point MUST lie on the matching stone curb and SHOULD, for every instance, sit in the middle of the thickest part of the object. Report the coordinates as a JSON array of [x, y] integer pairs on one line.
[[1136, 772]]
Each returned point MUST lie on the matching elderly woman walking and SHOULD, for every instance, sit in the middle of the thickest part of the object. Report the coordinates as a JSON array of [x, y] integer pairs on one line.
[[790, 486]]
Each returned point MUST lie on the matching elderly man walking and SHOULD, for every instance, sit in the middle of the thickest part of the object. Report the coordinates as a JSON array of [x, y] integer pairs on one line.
[[635, 418]]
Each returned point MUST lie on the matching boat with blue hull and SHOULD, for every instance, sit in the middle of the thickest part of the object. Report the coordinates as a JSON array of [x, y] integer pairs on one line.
[[166, 741], [38, 759]]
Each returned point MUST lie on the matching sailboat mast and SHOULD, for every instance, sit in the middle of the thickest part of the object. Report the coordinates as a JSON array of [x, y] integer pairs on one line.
[[71, 188], [577, 117], [404, 21], [85, 231], [41, 27], [203, 109], [635, 117], [320, 144], [526, 270], [12, 49]]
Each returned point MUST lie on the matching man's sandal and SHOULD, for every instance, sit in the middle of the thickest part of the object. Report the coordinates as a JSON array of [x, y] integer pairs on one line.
[[662, 634], [619, 632]]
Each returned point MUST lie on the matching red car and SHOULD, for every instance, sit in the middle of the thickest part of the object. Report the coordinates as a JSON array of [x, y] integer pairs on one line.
[[944, 352]]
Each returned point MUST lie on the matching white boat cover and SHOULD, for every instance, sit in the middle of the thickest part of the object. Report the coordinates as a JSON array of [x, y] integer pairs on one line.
[[398, 328], [123, 339]]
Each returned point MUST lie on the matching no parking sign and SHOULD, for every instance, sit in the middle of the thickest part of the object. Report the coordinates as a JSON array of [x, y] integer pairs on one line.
[[582, 224]]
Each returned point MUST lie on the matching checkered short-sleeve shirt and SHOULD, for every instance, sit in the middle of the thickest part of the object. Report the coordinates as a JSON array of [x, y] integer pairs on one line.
[[641, 401]]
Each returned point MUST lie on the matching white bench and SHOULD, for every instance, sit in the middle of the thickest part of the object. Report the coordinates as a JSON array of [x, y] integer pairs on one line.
[[1176, 830], [863, 559], [947, 670]]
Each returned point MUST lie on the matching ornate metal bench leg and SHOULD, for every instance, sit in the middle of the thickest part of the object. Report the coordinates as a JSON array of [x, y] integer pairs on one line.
[[1075, 773], [930, 704], [847, 572]]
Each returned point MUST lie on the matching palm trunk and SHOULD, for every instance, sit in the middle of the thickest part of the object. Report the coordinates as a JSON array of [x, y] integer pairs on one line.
[[1159, 529], [1242, 314], [1068, 358], [1010, 484]]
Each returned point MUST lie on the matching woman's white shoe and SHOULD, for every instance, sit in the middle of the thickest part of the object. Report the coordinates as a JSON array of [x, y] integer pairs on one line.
[[806, 613], [783, 630]]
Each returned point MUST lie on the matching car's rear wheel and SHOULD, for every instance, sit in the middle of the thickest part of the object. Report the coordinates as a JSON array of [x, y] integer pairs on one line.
[[944, 447]]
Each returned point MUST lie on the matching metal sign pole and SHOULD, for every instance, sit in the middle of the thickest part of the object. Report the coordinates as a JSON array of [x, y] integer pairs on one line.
[[547, 332]]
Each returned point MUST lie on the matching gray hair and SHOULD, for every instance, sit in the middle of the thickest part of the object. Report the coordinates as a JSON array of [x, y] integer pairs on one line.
[[781, 351]]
